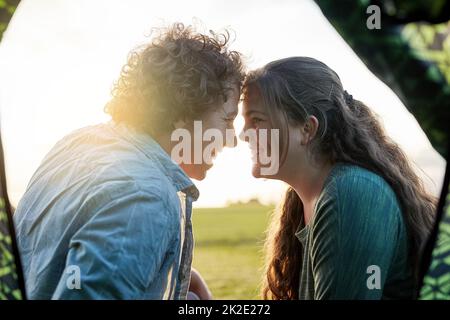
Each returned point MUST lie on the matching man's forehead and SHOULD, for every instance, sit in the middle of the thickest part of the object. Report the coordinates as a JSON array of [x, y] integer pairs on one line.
[[231, 107], [234, 93]]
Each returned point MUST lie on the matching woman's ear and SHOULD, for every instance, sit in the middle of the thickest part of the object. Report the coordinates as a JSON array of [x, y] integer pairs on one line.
[[309, 129]]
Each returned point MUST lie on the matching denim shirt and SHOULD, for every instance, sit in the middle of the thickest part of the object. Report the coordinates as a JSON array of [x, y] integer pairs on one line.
[[107, 215]]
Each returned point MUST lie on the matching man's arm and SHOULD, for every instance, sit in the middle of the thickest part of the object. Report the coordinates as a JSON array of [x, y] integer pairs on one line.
[[119, 251]]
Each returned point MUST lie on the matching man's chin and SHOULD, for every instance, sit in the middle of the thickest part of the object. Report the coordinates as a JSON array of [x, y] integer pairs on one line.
[[200, 174], [256, 171]]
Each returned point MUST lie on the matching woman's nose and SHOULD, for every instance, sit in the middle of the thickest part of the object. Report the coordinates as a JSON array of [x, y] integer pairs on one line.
[[231, 140], [242, 135]]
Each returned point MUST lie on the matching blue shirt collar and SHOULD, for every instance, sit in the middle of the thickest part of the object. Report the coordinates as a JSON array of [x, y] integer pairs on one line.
[[153, 150]]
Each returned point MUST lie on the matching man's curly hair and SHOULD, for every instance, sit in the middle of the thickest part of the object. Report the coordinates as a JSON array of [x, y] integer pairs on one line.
[[176, 77]]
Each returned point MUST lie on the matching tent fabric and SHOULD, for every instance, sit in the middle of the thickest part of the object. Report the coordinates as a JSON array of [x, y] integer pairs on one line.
[[7, 8], [436, 283], [410, 53], [11, 282]]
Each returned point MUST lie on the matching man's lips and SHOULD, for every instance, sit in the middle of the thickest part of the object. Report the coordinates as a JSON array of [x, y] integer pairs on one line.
[[213, 156]]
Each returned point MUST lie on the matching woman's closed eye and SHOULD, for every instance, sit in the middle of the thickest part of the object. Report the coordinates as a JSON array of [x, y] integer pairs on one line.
[[256, 121]]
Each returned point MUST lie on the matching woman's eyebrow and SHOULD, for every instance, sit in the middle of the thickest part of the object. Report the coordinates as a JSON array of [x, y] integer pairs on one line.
[[249, 112]]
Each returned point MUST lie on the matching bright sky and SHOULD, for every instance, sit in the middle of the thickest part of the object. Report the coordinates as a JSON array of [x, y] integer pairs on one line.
[[59, 59]]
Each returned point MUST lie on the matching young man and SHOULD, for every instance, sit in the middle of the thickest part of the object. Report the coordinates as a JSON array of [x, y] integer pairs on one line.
[[107, 215]]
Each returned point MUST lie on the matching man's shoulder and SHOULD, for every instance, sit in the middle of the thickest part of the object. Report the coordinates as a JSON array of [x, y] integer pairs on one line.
[[134, 177], [108, 156], [102, 165]]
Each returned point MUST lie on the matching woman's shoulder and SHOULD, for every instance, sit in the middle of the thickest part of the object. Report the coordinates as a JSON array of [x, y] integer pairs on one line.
[[356, 199], [352, 189], [357, 180]]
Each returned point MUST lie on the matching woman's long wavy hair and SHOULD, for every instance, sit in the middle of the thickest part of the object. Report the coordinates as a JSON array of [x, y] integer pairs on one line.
[[348, 132]]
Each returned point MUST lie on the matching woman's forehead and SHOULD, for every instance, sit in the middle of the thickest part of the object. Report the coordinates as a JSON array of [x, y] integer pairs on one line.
[[253, 102]]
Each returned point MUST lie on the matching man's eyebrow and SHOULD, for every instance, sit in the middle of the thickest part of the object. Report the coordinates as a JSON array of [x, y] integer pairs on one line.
[[232, 114]]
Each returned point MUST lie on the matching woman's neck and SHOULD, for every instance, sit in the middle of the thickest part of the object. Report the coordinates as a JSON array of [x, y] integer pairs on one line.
[[308, 183]]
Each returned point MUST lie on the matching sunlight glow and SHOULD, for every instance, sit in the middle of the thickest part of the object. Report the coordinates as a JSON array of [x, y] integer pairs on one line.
[[58, 60]]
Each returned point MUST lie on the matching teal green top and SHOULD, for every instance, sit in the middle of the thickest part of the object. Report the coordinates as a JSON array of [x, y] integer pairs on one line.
[[355, 246]]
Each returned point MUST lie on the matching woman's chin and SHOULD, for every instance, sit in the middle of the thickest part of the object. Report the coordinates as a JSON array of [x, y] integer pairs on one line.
[[256, 172]]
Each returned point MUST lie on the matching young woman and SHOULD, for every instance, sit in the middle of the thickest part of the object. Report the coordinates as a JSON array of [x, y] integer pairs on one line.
[[355, 215]]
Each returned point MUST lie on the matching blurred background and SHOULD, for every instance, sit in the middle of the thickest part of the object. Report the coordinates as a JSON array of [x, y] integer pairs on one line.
[[58, 60]]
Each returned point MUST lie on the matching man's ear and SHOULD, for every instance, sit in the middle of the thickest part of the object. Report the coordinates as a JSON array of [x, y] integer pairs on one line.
[[309, 129]]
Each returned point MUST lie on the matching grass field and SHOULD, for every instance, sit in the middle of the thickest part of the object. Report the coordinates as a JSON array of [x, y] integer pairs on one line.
[[228, 248]]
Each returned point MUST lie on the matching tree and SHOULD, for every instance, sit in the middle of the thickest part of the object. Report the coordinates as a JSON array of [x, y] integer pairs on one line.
[[11, 281]]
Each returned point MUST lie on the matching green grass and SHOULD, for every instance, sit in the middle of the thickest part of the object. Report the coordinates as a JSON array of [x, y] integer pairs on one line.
[[228, 249]]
